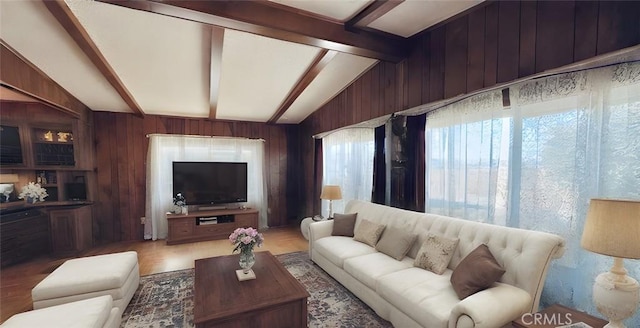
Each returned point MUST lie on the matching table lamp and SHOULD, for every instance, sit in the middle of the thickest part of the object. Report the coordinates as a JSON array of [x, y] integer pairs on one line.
[[331, 192], [613, 228]]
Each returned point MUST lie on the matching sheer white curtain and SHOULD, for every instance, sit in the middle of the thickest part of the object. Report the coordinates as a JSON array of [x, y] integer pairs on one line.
[[467, 154], [348, 162], [565, 139], [165, 149], [580, 139]]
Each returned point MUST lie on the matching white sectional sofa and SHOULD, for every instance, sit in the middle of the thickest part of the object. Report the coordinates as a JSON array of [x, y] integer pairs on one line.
[[410, 296]]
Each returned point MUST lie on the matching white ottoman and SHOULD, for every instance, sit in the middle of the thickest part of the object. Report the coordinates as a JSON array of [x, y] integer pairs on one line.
[[97, 312], [115, 274]]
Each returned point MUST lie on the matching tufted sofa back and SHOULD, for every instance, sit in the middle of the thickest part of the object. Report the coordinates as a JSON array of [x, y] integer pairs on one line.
[[524, 254]]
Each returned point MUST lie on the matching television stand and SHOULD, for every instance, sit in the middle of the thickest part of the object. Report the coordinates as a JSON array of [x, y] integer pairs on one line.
[[212, 208], [208, 224]]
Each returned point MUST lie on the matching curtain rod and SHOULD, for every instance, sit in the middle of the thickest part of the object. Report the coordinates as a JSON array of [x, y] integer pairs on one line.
[[633, 52], [369, 124], [199, 136]]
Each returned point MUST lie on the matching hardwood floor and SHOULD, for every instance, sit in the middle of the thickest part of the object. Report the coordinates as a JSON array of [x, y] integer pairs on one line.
[[17, 281]]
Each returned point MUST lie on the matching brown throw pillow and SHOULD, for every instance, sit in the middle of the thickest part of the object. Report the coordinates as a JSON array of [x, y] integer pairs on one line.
[[343, 224], [395, 242], [368, 232], [436, 253], [477, 271]]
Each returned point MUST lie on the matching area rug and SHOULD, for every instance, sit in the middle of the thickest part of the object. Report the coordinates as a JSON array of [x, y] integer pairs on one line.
[[166, 299]]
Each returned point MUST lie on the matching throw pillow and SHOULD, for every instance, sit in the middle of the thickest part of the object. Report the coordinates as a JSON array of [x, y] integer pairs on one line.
[[477, 271], [395, 242], [435, 253], [343, 224], [368, 232]]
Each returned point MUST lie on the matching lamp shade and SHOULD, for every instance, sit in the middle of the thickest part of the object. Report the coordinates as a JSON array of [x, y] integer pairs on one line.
[[331, 192], [613, 228]]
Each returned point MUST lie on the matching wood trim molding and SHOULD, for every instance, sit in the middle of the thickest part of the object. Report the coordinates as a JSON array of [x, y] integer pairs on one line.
[[63, 14], [20, 75], [215, 70], [319, 63], [253, 16]]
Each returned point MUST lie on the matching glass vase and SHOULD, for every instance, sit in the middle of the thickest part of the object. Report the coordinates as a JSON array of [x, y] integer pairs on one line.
[[247, 259]]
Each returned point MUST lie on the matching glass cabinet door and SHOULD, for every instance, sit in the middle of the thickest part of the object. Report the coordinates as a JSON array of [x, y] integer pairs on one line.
[[53, 147]]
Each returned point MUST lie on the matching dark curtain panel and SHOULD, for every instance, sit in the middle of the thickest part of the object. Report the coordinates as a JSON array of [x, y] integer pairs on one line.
[[295, 172], [414, 179], [379, 167], [317, 176]]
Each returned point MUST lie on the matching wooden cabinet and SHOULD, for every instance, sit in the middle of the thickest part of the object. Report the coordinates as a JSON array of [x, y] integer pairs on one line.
[[63, 185], [53, 147], [71, 230], [24, 235], [208, 225], [51, 154]]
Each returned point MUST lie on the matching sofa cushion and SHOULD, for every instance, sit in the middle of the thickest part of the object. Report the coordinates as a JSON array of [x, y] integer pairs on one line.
[[338, 248], [343, 224], [424, 296], [368, 232], [368, 268], [477, 271], [435, 253], [395, 242]]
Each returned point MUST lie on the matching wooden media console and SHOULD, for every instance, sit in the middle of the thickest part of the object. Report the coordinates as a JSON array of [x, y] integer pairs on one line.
[[208, 225]]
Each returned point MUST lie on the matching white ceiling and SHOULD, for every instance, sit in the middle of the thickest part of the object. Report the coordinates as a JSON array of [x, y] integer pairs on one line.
[[341, 10], [165, 62], [417, 15]]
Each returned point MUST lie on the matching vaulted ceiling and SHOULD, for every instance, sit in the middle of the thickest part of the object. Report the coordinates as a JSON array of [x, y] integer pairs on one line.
[[264, 61]]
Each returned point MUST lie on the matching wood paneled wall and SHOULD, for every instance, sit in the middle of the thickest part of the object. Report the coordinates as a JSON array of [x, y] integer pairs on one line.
[[19, 74], [507, 40], [493, 43], [121, 151]]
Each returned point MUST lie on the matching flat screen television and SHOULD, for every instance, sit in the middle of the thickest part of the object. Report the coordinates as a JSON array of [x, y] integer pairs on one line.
[[204, 183]]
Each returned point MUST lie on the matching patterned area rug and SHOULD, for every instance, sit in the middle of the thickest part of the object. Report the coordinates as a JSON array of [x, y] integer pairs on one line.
[[166, 299]]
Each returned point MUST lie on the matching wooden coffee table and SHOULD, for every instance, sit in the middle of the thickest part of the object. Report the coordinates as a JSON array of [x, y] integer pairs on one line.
[[274, 299]]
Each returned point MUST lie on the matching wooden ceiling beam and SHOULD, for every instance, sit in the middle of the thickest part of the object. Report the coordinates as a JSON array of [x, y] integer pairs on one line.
[[375, 10], [319, 63], [71, 24], [258, 17], [217, 41]]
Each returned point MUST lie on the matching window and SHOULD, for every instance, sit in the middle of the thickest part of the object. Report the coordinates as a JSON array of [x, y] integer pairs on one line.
[[467, 160], [565, 139], [348, 162], [165, 149]]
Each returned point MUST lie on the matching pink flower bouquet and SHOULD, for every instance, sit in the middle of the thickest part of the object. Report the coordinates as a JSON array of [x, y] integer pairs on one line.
[[245, 239]]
